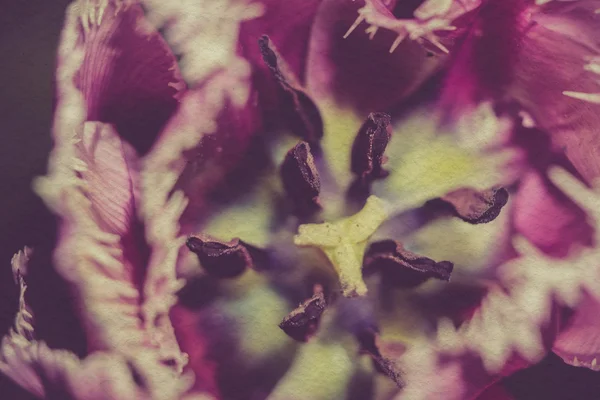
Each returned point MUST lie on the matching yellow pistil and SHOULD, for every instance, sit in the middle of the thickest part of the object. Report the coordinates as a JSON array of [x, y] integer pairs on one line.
[[344, 242]]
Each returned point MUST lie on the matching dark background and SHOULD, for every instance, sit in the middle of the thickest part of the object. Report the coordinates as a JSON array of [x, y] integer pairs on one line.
[[29, 32]]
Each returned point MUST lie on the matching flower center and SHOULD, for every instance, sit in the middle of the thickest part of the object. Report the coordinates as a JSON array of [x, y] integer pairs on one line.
[[344, 242]]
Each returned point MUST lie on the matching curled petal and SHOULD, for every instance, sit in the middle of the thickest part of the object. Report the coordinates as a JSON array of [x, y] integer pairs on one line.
[[128, 76], [98, 246], [109, 174], [24, 319], [49, 373], [98, 249]]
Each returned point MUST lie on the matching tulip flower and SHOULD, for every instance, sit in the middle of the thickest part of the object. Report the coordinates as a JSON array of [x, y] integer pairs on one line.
[[320, 199]]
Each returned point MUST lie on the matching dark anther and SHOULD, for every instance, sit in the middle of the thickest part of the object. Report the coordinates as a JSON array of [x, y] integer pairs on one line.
[[369, 146], [477, 207], [302, 114], [221, 259], [402, 268], [303, 322], [382, 356], [301, 179]]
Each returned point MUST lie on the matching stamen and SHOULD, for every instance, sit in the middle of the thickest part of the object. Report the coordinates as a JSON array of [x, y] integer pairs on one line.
[[369, 146], [477, 207], [403, 268], [304, 116], [301, 179], [221, 259], [370, 343], [302, 323]]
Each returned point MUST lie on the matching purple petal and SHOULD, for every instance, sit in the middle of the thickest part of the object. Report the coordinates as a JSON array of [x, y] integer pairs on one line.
[[450, 377], [128, 76], [533, 55], [359, 72], [551, 60], [197, 344], [197, 149], [482, 65], [200, 143], [50, 373], [99, 251], [548, 218], [109, 177], [215, 121], [579, 342]]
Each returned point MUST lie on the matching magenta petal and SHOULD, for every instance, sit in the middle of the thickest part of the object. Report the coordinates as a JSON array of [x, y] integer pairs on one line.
[[579, 342], [547, 217], [550, 60], [95, 248], [53, 374], [216, 155], [128, 77], [482, 65], [109, 176], [359, 72], [92, 186]]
